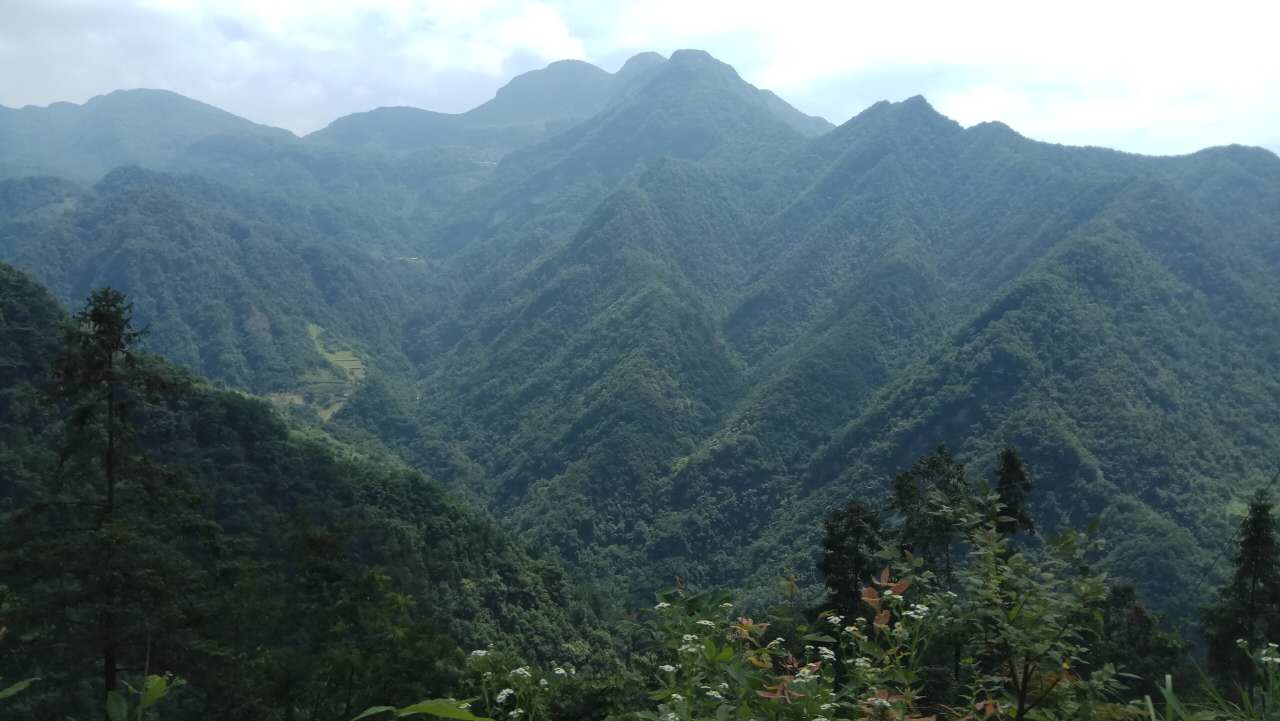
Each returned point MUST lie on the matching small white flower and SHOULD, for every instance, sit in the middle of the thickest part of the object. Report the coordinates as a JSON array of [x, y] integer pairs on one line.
[[827, 706], [522, 672], [559, 671], [667, 668], [505, 694], [677, 697], [724, 686], [862, 662], [705, 622], [671, 717], [479, 653], [726, 605], [661, 606], [826, 653], [715, 695], [543, 683], [689, 638], [516, 713], [835, 620], [488, 674]]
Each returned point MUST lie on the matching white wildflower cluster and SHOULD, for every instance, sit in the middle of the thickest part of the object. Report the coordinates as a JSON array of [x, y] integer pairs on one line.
[[777, 642], [661, 605], [677, 697], [505, 694], [862, 662], [724, 686], [828, 706], [835, 620], [543, 683], [705, 622], [1271, 654], [522, 672], [559, 671], [479, 653], [712, 693], [917, 612], [806, 675], [726, 605], [667, 668], [515, 713], [671, 717], [690, 644], [826, 653]]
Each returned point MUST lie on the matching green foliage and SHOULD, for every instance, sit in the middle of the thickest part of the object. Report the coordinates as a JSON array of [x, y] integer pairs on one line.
[[1245, 617], [851, 540]]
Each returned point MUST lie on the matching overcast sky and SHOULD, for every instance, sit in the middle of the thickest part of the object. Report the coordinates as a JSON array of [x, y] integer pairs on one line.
[[1153, 77]]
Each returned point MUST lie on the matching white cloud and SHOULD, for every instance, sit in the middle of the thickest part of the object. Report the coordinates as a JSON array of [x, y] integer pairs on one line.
[[1147, 76]]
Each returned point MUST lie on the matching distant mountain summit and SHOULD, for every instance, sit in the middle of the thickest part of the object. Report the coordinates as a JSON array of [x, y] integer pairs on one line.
[[125, 127], [534, 105]]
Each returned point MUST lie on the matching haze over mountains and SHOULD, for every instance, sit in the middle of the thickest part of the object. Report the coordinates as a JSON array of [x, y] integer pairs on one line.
[[658, 321]]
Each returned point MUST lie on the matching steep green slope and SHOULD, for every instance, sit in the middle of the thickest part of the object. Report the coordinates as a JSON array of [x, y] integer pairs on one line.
[[1135, 366], [273, 486], [228, 283]]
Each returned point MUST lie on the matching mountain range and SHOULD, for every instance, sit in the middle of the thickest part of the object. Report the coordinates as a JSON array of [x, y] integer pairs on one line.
[[660, 323]]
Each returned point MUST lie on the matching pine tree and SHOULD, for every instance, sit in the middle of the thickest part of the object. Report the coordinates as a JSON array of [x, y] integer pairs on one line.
[[1013, 486], [103, 552], [921, 499], [1247, 611], [851, 539]]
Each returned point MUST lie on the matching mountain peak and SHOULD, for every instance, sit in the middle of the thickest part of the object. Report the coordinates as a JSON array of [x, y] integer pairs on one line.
[[640, 63], [565, 88]]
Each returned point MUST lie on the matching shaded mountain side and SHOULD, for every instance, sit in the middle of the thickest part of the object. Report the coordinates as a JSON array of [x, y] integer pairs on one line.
[[265, 480], [249, 291]]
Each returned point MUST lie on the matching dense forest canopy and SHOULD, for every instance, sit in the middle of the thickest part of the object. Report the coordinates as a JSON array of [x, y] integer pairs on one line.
[[498, 376]]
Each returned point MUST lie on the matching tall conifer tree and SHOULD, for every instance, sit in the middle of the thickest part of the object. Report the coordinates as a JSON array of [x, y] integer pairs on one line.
[[1013, 486], [851, 539], [1247, 611], [104, 549]]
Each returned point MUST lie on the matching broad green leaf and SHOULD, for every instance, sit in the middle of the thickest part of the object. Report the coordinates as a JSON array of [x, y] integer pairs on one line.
[[16, 688], [153, 690], [709, 649], [442, 707], [373, 711], [725, 654], [117, 707]]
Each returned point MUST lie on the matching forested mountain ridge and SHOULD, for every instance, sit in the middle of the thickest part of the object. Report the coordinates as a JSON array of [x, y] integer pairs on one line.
[[663, 332], [306, 525]]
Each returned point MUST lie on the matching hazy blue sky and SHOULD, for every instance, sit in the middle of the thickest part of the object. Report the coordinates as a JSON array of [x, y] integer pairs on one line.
[[1157, 77]]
